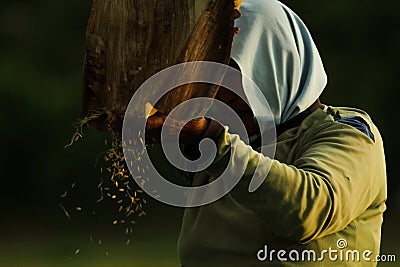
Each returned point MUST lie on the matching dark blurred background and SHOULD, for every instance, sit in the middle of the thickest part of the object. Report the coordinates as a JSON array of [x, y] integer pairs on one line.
[[41, 56]]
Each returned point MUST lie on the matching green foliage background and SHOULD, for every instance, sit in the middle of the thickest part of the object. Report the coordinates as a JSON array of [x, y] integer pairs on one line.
[[41, 56]]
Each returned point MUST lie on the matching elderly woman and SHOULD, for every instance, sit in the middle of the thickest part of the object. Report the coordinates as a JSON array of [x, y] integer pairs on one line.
[[323, 198]]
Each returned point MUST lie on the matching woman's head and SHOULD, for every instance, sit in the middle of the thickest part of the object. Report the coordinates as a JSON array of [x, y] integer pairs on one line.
[[275, 50]]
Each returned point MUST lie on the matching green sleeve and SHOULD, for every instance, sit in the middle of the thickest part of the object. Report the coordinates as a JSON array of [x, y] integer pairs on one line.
[[336, 176]]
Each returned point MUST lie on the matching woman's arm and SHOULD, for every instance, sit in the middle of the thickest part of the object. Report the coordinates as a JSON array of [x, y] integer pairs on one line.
[[335, 178]]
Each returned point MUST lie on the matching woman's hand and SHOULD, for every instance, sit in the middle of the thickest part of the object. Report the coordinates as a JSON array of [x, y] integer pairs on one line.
[[190, 133], [237, 15]]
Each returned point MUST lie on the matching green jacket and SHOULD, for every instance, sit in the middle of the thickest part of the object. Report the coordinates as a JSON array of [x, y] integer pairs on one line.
[[322, 200]]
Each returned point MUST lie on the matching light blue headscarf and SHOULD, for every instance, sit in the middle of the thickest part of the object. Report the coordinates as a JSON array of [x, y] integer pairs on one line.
[[276, 51]]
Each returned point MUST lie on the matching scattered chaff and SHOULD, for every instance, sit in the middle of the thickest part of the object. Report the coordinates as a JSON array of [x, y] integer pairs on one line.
[[65, 211], [75, 137], [78, 134], [116, 184]]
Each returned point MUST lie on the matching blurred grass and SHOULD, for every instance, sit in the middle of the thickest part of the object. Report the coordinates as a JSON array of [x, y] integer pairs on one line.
[[154, 243], [148, 250], [52, 253], [54, 241]]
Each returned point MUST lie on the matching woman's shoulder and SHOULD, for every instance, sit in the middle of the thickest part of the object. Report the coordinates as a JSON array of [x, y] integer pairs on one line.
[[355, 118], [346, 122]]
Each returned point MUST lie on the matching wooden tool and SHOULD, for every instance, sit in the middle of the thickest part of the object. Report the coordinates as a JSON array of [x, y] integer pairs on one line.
[[127, 41]]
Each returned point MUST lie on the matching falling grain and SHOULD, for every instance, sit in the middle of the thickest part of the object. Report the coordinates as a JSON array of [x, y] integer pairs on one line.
[[65, 211]]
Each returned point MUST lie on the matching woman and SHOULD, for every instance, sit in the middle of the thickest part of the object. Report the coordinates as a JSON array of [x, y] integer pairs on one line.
[[323, 199]]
